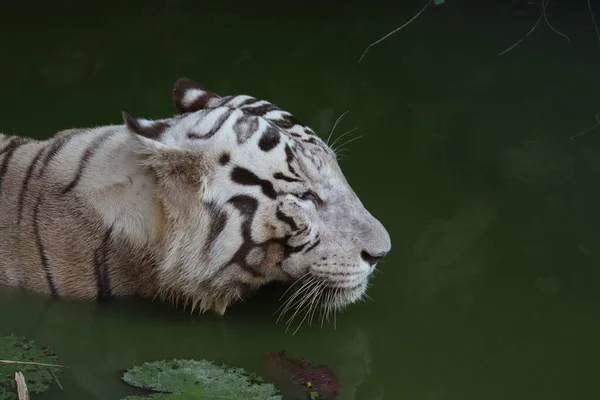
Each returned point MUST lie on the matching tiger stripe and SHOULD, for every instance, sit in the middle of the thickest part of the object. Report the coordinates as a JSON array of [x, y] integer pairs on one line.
[[269, 139], [42, 251], [313, 246], [25, 184], [286, 219], [225, 114], [247, 206], [283, 177], [218, 220], [8, 152], [84, 161], [55, 147], [101, 268], [246, 177]]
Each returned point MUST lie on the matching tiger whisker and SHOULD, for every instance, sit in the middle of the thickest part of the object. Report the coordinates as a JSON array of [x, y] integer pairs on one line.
[[292, 285], [289, 302], [350, 141], [286, 304], [342, 156], [300, 305], [301, 322], [334, 318], [296, 297], [317, 302], [322, 309], [341, 152], [327, 307], [314, 295], [307, 296], [332, 145], [337, 121], [310, 305]]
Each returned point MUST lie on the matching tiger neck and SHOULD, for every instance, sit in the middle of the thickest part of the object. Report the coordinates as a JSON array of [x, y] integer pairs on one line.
[[130, 202]]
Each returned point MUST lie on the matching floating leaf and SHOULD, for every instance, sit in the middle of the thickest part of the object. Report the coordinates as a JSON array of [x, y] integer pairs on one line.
[[191, 379], [26, 357]]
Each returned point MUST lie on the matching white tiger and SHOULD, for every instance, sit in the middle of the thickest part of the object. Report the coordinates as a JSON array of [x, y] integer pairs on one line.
[[202, 208]]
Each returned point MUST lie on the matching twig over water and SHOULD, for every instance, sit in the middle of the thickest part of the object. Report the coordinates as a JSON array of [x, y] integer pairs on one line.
[[588, 129], [30, 363], [530, 31], [593, 19], [394, 31]]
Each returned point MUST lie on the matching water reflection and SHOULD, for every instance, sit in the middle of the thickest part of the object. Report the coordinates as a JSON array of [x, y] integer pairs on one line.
[[99, 341]]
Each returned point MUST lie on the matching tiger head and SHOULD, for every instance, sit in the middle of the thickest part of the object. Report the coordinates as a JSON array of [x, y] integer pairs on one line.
[[253, 196]]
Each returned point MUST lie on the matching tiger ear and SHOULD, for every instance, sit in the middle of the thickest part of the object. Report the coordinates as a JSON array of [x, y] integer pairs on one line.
[[177, 170], [144, 127], [190, 96]]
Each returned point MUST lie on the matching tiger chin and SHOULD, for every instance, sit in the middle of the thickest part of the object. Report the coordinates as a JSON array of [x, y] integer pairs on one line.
[[201, 209]]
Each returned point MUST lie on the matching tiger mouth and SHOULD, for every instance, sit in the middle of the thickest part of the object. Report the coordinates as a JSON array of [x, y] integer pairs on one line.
[[319, 301], [326, 293], [348, 291], [348, 282]]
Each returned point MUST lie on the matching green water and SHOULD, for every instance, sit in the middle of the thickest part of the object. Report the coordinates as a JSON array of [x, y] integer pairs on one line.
[[491, 288]]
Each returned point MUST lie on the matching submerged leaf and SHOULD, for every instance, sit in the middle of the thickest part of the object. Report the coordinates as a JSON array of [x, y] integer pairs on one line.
[[191, 379], [297, 378], [38, 377]]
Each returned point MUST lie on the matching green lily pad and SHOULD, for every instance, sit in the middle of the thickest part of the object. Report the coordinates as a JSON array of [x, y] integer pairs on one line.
[[37, 377], [191, 379]]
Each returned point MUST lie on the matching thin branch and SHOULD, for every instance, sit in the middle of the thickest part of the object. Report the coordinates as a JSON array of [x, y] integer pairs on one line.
[[530, 31], [593, 19], [56, 379], [588, 129], [394, 31], [550, 25], [31, 363]]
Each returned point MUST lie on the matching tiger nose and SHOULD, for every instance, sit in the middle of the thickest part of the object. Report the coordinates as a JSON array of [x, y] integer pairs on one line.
[[372, 259]]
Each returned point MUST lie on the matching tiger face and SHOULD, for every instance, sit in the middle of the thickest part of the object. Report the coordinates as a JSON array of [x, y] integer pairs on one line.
[[253, 196]]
